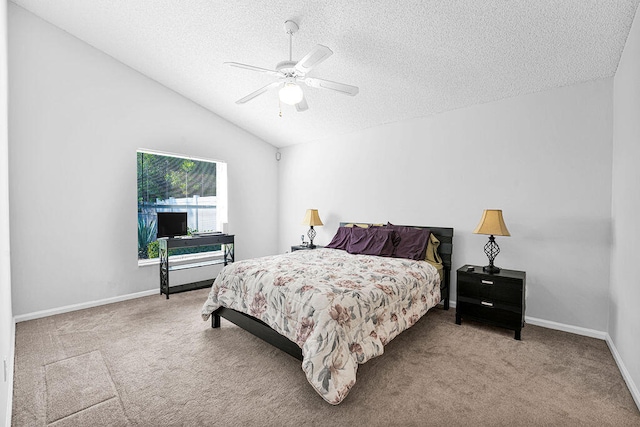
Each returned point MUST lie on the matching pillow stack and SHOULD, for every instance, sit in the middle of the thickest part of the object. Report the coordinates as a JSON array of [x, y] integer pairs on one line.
[[386, 240]]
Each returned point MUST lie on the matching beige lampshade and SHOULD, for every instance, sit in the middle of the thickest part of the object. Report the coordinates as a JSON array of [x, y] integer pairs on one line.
[[312, 218], [492, 223]]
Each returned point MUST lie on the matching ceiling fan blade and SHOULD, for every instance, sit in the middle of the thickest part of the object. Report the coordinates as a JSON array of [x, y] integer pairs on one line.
[[257, 92], [252, 68], [302, 105], [327, 84], [313, 58]]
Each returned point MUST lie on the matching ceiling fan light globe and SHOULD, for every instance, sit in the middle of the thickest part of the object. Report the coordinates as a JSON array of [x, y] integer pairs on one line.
[[290, 94]]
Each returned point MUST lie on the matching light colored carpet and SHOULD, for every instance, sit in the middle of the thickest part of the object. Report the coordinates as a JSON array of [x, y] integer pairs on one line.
[[154, 362]]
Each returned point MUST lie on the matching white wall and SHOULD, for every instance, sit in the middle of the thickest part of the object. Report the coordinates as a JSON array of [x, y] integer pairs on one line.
[[544, 158], [6, 316], [624, 316], [77, 117]]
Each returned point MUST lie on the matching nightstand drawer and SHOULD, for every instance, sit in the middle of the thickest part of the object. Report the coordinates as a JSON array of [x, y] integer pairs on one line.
[[491, 303], [494, 315], [491, 288]]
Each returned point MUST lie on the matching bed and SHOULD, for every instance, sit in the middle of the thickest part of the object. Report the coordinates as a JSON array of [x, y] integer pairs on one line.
[[329, 308]]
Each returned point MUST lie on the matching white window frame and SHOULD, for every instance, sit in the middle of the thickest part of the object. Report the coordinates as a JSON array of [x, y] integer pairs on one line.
[[221, 207]]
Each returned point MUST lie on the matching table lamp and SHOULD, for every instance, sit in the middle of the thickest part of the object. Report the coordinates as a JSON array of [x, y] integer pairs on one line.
[[311, 218], [493, 225]]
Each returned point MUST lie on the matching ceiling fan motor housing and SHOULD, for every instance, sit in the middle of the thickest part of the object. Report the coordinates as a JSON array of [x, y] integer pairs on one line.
[[287, 67], [290, 27]]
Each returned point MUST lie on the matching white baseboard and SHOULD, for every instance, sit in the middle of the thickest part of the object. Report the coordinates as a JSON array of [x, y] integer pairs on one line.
[[558, 326], [633, 389], [566, 328], [81, 306], [12, 355]]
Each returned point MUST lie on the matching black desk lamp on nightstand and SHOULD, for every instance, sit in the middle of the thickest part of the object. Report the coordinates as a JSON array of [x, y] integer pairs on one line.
[[312, 218], [493, 225]]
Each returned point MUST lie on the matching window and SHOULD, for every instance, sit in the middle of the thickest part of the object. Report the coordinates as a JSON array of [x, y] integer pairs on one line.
[[172, 183]]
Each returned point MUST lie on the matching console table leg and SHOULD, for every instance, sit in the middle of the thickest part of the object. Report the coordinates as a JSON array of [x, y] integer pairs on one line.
[[164, 266]]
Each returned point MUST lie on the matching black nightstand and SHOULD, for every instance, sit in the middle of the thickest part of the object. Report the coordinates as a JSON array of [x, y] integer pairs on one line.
[[302, 248], [496, 299]]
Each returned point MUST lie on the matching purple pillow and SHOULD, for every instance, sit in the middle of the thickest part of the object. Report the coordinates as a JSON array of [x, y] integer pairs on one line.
[[389, 226], [413, 242], [371, 241], [341, 239]]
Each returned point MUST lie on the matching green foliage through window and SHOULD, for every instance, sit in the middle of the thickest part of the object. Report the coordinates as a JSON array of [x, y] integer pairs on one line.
[[162, 177]]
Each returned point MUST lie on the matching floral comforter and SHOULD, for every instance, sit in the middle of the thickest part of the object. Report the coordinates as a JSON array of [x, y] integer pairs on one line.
[[341, 309]]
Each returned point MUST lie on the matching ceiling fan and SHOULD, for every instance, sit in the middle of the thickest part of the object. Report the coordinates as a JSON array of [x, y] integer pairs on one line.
[[291, 73]]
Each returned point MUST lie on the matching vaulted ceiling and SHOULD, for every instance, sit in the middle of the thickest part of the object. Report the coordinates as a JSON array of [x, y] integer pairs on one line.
[[409, 58]]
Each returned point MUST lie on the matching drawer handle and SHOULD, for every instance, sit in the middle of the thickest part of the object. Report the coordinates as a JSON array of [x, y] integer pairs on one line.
[[487, 282], [486, 303]]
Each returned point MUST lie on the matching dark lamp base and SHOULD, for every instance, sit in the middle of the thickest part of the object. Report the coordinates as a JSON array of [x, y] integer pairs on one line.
[[491, 269], [312, 235]]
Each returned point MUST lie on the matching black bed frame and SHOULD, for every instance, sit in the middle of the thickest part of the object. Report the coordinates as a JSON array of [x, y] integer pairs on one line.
[[260, 329]]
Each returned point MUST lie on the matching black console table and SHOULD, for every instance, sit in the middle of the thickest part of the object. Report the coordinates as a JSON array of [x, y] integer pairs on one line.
[[166, 243]]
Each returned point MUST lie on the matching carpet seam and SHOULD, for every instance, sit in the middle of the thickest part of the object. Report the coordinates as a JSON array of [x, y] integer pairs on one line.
[[113, 386], [82, 410], [74, 356], [124, 411]]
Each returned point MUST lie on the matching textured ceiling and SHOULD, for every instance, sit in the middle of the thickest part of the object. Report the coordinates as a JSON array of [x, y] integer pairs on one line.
[[409, 58]]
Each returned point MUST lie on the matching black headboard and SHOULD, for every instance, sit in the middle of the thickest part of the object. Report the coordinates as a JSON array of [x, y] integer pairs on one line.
[[445, 235]]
